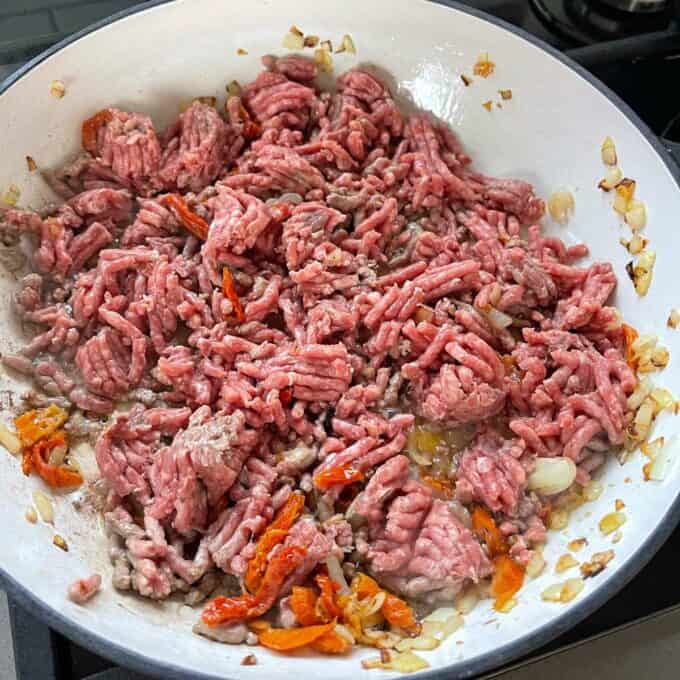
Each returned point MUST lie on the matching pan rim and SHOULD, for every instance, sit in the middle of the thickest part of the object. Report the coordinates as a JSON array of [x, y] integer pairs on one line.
[[485, 662]]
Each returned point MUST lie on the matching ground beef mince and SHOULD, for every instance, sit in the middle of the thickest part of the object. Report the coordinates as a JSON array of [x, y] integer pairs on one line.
[[263, 303]]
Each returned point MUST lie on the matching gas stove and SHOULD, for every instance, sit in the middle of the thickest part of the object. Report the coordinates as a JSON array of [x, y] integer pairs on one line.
[[631, 45]]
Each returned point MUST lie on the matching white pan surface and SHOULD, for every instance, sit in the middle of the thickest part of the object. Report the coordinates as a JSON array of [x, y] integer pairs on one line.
[[549, 133]]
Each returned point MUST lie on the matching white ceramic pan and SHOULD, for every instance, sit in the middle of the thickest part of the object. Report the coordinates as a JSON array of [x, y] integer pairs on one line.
[[549, 133]]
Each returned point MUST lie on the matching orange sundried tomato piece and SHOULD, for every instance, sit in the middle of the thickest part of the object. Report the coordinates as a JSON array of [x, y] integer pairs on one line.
[[327, 601], [191, 221], [90, 129], [508, 578], [444, 486], [630, 335], [251, 129], [364, 586], [398, 613], [286, 639], [274, 534], [331, 643], [341, 475], [280, 211], [229, 292], [485, 527], [34, 425], [286, 395], [303, 604], [56, 476], [248, 606]]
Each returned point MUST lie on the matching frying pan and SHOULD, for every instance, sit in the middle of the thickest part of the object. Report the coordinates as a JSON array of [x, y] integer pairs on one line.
[[153, 57]]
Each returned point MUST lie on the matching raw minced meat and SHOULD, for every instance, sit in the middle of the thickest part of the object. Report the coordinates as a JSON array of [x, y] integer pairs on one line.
[[288, 285]]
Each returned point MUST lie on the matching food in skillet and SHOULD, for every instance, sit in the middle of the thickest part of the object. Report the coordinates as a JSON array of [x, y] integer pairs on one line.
[[333, 373]]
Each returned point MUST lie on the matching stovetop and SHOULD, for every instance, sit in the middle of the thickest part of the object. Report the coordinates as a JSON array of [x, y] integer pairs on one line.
[[637, 56]]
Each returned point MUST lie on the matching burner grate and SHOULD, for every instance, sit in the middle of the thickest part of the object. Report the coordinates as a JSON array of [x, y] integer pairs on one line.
[[584, 22]]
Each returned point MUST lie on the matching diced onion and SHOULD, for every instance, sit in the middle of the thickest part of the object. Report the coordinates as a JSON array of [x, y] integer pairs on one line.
[[673, 319], [498, 319], [421, 642], [651, 449], [403, 662], [577, 544], [663, 399], [432, 628], [344, 632], [642, 271], [483, 67], [561, 206], [611, 522], [467, 600], [57, 89], [347, 45], [608, 151], [625, 190], [322, 56], [612, 177], [648, 355], [44, 507], [636, 244], [563, 592], [572, 587], [31, 515], [451, 625], [569, 500], [660, 357], [592, 490], [643, 418], [336, 573], [597, 563], [552, 593], [60, 542], [416, 457], [636, 215], [640, 393], [643, 342], [536, 565], [558, 519], [552, 475], [374, 604], [9, 440], [663, 460], [58, 454], [12, 195], [564, 563], [293, 41]]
